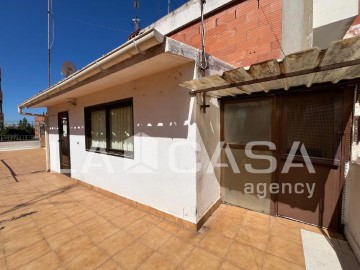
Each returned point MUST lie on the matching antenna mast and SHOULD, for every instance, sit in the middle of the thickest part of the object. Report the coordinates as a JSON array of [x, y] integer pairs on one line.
[[169, 6], [49, 54], [1, 110], [136, 20]]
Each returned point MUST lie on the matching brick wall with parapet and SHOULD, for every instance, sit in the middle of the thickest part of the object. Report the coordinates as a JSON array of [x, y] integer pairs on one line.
[[239, 34]]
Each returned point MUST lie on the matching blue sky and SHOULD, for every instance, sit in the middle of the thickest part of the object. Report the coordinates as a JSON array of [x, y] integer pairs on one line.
[[23, 39]]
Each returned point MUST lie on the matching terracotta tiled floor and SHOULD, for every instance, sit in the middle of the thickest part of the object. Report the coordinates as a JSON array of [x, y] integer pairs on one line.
[[47, 222]]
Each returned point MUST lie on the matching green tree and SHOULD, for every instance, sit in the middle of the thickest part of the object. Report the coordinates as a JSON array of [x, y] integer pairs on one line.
[[25, 126]]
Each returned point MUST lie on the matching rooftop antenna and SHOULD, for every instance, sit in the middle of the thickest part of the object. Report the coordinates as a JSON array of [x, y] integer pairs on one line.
[[136, 20], [169, 6], [1, 110], [67, 69], [49, 45]]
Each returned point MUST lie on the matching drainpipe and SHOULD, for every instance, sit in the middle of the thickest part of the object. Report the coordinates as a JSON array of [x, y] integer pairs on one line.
[[47, 148], [353, 123], [204, 64]]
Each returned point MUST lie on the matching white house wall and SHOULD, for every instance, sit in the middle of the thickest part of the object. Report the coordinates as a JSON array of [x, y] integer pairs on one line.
[[330, 11], [208, 184], [310, 23], [185, 14], [352, 220], [163, 171]]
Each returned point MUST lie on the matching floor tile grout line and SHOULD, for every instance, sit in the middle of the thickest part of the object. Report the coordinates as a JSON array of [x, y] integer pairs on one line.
[[129, 205], [63, 266], [178, 266], [237, 231], [251, 245], [301, 244], [110, 258], [97, 214], [194, 245], [267, 244], [3, 245], [43, 239], [76, 225], [267, 253], [223, 260], [137, 238]]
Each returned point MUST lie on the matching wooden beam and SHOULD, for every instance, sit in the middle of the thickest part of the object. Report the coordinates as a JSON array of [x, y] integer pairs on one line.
[[281, 76]]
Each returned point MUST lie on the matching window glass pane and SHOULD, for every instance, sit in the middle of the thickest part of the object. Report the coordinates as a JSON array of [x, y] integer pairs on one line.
[[311, 121], [98, 129], [64, 127], [121, 129], [247, 122]]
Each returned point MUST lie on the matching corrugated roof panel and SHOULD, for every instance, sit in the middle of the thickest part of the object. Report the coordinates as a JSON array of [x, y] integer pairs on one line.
[[205, 82], [268, 69], [216, 80], [299, 61], [194, 85], [338, 52], [213, 81], [339, 62], [241, 75], [227, 92], [351, 73]]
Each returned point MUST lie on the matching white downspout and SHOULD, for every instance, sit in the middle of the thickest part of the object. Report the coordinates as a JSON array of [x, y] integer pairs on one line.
[[47, 148], [47, 144]]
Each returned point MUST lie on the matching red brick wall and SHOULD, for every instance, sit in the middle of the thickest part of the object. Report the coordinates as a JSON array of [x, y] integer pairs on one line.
[[38, 121], [240, 34], [357, 20]]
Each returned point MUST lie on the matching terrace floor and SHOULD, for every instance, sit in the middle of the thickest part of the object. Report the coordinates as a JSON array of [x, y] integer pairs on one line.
[[48, 222]]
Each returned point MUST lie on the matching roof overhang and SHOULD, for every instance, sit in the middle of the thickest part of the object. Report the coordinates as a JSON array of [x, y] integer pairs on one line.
[[147, 54], [341, 61]]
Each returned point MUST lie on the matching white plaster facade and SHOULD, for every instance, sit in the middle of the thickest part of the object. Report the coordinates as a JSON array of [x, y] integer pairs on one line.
[[310, 23], [169, 171], [352, 218], [332, 19], [161, 126], [167, 120], [186, 14]]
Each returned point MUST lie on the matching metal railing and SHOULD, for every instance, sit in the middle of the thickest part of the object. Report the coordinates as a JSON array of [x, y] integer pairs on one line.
[[11, 138], [16, 123]]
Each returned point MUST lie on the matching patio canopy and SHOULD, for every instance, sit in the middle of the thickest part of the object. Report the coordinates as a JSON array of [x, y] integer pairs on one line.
[[341, 61]]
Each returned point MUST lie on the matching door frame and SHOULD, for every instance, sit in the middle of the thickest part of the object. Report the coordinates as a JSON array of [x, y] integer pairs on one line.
[[274, 129], [60, 115], [277, 100]]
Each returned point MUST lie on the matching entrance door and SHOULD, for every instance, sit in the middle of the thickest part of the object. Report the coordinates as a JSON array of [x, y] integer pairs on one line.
[[316, 121], [64, 142], [247, 121]]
